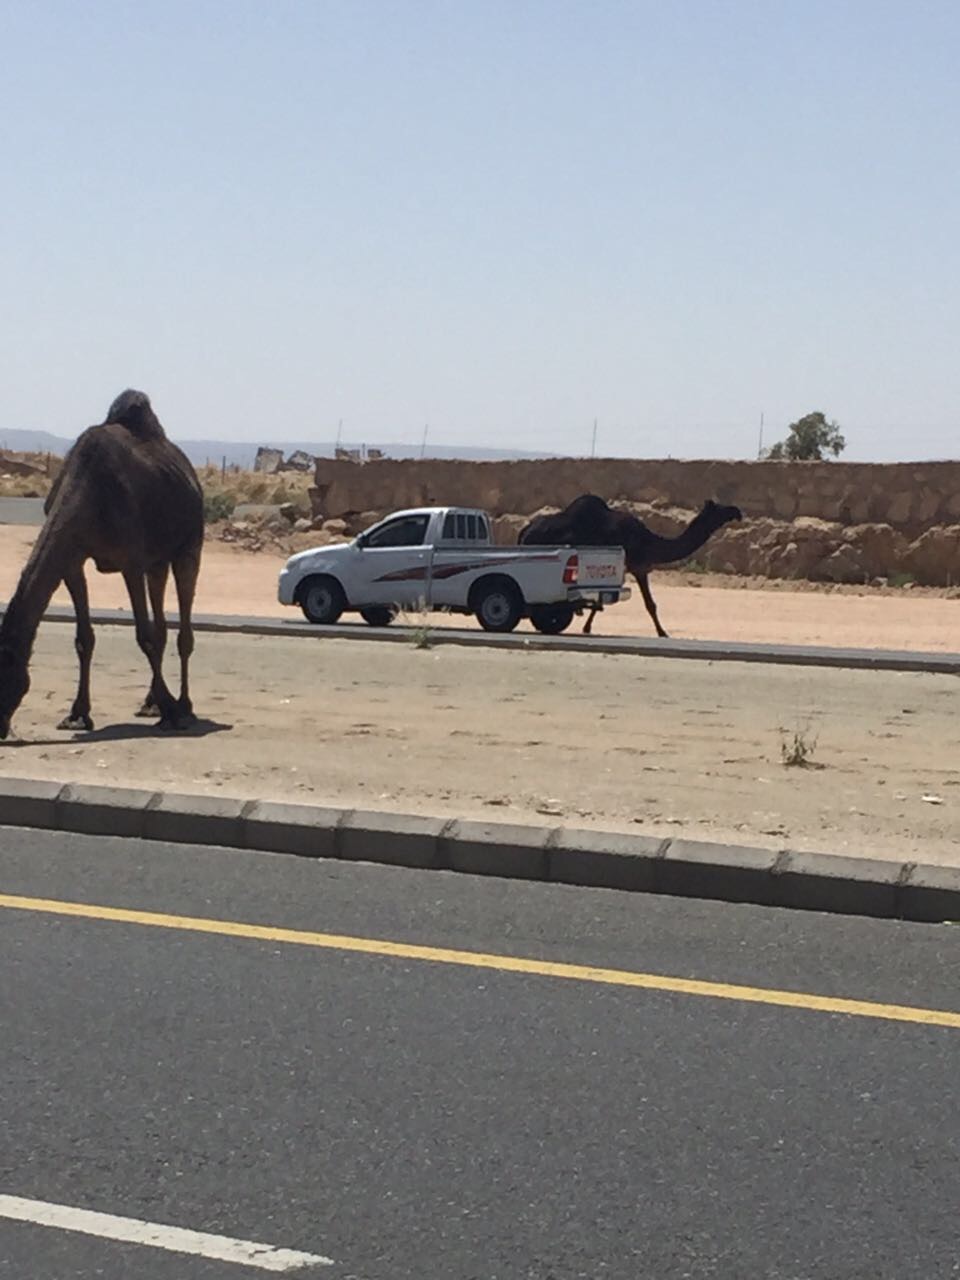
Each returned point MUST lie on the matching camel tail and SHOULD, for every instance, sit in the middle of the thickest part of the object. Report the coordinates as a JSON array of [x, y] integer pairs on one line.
[[133, 410]]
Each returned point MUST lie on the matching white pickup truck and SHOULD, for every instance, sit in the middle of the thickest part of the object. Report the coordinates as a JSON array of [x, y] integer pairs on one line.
[[445, 558]]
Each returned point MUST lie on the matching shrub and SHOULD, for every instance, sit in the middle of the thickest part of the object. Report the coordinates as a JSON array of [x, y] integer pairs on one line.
[[218, 506]]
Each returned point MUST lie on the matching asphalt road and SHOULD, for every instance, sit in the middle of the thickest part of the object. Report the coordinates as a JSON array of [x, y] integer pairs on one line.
[[29, 511], [25, 511], [414, 1118]]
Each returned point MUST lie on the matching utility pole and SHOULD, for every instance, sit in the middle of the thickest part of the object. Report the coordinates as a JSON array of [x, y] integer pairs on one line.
[[423, 442], [593, 442], [760, 445], [339, 434]]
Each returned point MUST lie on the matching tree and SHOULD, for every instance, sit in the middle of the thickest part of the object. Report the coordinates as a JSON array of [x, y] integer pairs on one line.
[[808, 439]]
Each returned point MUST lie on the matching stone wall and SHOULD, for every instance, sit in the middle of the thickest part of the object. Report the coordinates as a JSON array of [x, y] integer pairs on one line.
[[834, 521], [907, 495]]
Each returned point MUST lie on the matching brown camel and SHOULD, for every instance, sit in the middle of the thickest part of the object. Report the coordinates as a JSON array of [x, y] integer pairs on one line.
[[128, 499], [589, 522]]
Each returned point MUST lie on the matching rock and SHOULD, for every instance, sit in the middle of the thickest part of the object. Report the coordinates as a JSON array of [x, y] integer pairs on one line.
[[843, 565], [303, 525], [336, 527], [881, 548], [367, 518], [268, 460], [934, 557], [506, 529], [300, 461]]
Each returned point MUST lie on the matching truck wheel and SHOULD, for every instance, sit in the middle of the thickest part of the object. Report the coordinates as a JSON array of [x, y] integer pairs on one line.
[[322, 600], [498, 605], [378, 615], [551, 619]]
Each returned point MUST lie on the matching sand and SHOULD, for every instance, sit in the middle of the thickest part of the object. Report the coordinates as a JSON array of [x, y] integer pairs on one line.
[[233, 581], [648, 745]]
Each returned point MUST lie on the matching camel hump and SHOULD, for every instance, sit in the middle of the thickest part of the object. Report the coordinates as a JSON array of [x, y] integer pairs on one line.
[[133, 410], [588, 503]]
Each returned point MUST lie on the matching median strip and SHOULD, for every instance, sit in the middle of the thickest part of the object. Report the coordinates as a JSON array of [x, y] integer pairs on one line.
[[635, 646], [559, 855]]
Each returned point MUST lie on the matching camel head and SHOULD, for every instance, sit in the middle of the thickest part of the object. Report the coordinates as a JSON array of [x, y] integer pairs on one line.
[[14, 683], [718, 515], [133, 410]]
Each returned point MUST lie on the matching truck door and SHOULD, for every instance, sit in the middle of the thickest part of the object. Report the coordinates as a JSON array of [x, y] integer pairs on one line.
[[394, 564], [465, 533]]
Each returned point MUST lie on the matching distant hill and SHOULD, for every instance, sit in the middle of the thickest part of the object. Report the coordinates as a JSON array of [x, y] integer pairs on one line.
[[242, 455], [33, 442]]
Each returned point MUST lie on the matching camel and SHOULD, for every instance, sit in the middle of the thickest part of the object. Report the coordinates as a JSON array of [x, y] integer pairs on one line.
[[130, 500], [589, 522]]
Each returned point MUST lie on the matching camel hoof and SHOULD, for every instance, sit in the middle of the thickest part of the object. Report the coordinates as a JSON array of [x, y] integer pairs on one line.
[[76, 724], [177, 723], [149, 710]]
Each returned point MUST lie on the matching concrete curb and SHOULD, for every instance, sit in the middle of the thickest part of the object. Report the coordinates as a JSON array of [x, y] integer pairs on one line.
[[557, 855], [635, 646]]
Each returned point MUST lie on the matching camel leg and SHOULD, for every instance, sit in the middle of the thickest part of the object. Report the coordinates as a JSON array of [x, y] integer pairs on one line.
[[79, 715], [648, 600], [185, 573], [136, 589], [157, 587], [588, 625]]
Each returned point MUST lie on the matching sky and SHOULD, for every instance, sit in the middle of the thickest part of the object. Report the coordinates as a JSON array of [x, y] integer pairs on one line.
[[503, 219]]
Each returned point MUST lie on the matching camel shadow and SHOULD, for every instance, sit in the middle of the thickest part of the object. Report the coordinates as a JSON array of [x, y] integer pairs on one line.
[[124, 733]]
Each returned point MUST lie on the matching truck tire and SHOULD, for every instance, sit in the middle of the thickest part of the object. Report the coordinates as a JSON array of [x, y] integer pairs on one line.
[[498, 604], [378, 615], [322, 600], [551, 619]]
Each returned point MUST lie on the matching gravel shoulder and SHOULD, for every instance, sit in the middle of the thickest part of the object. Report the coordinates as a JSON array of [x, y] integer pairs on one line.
[[689, 749]]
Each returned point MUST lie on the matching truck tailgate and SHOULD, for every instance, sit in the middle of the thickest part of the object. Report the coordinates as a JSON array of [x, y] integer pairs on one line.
[[600, 566]]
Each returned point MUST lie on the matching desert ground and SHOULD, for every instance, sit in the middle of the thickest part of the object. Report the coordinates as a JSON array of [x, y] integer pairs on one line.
[[648, 745], [694, 606], [621, 743]]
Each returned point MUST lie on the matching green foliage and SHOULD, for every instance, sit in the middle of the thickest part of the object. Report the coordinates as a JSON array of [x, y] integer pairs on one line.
[[218, 506], [420, 638], [809, 439]]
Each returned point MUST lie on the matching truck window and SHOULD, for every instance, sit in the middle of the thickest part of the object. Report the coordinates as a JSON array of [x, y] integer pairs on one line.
[[461, 526], [407, 531], [449, 527], [472, 528]]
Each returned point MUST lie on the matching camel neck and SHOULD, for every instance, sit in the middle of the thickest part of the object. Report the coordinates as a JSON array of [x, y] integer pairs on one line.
[[51, 556], [670, 550]]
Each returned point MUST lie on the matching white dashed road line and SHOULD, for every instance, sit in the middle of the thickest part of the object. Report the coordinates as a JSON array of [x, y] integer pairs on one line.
[[157, 1236]]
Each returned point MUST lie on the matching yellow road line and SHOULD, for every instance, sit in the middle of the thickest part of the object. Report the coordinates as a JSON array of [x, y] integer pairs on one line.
[[479, 960]]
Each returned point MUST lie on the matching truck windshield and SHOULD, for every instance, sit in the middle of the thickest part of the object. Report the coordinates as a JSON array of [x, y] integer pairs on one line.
[[408, 531]]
